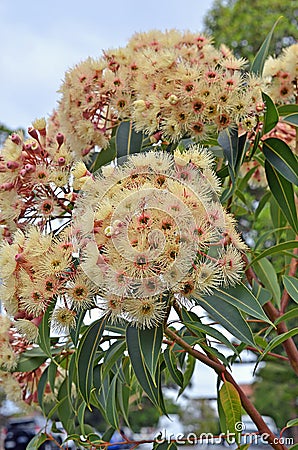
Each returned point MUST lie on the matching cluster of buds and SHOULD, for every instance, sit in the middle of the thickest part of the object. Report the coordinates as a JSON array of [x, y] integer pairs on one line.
[[34, 180]]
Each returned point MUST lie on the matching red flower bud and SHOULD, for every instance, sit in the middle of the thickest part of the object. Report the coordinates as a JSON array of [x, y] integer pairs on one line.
[[12, 165], [16, 138], [60, 139]]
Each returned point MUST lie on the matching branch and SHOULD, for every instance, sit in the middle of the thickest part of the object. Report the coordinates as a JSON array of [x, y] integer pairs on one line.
[[221, 370]]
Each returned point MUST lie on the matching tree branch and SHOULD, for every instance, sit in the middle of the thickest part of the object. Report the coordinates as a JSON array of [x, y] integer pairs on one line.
[[221, 370]]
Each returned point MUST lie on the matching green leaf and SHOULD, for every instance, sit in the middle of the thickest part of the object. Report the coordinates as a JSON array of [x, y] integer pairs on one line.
[[291, 314], [280, 156], [292, 423], [65, 408], [231, 405], [105, 156], [111, 409], [44, 332], [128, 141], [188, 372], [283, 192], [291, 285], [221, 415], [262, 294], [232, 147], [114, 352], [291, 119], [284, 110], [166, 445], [260, 58], [85, 357], [277, 341], [171, 363], [263, 202], [228, 316], [149, 385], [240, 297], [123, 394], [271, 115], [81, 415], [42, 386], [150, 344], [37, 441], [266, 272], [28, 362], [276, 249], [213, 332]]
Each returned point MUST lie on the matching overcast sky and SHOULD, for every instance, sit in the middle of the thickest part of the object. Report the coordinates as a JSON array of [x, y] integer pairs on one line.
[[41, 39]]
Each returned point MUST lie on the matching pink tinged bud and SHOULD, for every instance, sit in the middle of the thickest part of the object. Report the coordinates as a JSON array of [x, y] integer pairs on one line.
[[86, 151], [19, 258], [30, 168], [6, 186], [23, 172], [12, 165], [33, 133], [61, 161], [16, 139], [60, 139]]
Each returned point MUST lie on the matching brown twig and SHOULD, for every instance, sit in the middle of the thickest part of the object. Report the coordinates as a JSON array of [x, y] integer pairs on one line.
[[221, 370]]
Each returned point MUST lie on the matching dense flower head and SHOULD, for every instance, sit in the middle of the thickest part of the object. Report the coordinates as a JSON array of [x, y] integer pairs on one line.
[[173, 83], [153, 228], [39, 271], [34, 179], [282, 74]]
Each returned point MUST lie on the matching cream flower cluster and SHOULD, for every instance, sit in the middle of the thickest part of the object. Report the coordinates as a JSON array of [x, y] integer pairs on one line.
[[282, 74], [152, 229], [171, 84]]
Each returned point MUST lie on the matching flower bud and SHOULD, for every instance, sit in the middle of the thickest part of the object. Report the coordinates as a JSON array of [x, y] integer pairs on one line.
[[33, 133], [61, 161], [16, 139], [12, 165], [60, 139]]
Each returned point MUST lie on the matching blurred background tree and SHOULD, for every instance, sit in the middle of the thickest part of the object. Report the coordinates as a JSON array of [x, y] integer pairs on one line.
[[243, 25]]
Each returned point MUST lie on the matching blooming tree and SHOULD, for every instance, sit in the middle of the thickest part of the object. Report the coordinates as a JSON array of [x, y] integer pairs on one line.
[[120, 236]]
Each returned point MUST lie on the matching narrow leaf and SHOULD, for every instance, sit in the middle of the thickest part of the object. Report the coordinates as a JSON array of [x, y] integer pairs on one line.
[[128, 141], [240, 297], [289, 245], [280, 156], [271, 115], [291, 314], [37, 441], [111, 410], [171, 363], [292, 423], [188, 372], [291, 285], [283, 192], [85, 357], [231, 405], [284, 110], [150, 344], [213, 332], [260, 58], [139, 366], [291, 119], [105, 156], [229, 317], [277, 341], [262, 294], [267, 274]]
